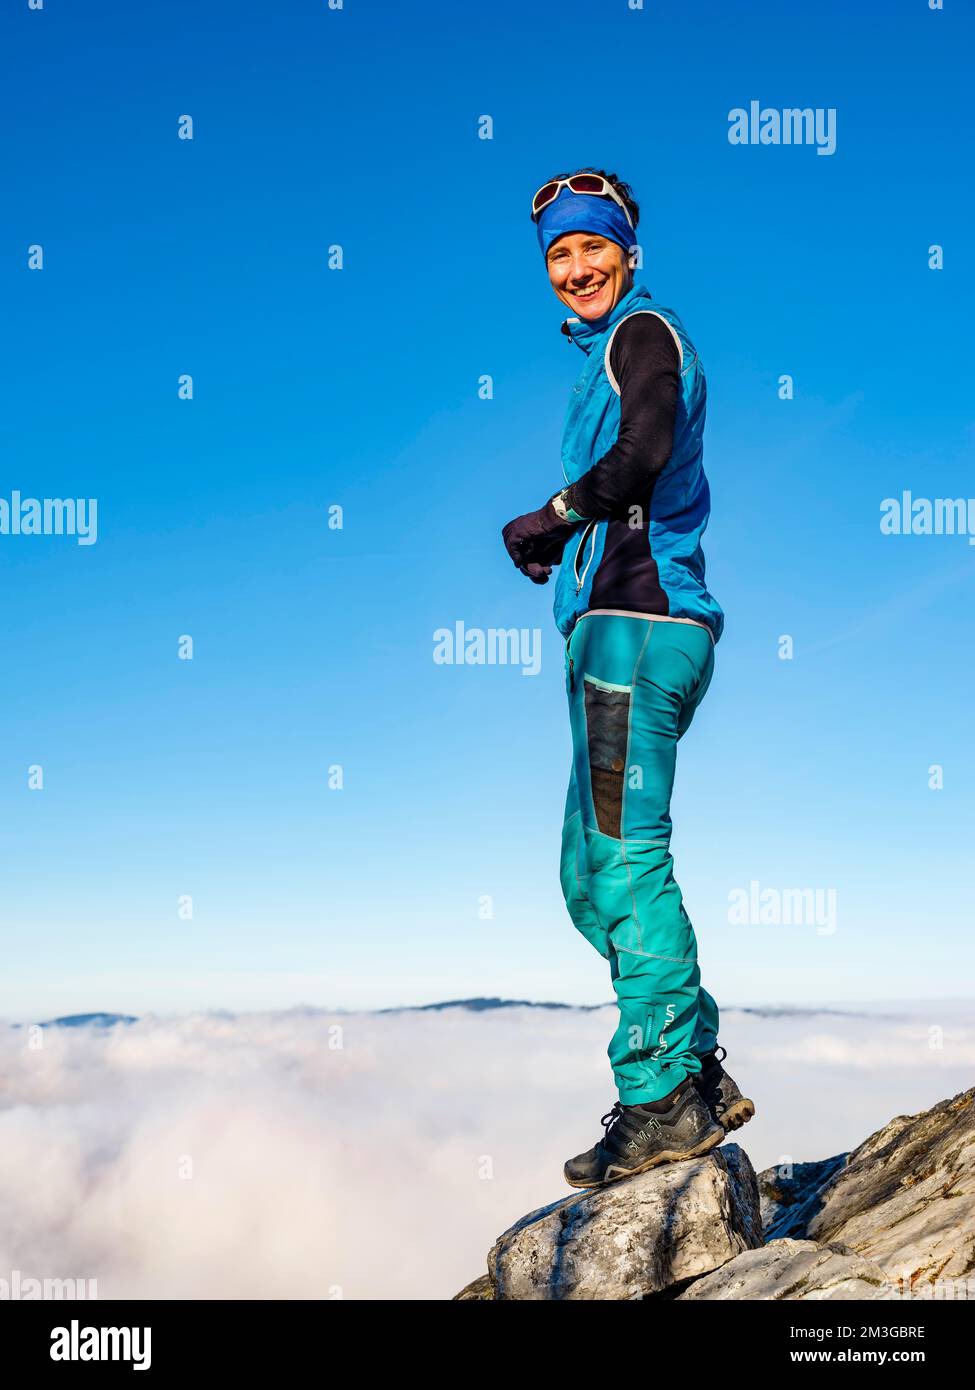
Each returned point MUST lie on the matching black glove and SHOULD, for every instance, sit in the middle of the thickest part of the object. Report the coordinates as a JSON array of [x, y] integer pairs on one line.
[[536, 541]]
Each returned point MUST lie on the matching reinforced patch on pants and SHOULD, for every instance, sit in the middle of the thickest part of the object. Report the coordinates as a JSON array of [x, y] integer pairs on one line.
[[607, 732]]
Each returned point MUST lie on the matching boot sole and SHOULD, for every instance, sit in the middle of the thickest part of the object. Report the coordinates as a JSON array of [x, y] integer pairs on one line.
[[710, 1142], [737, 1115]]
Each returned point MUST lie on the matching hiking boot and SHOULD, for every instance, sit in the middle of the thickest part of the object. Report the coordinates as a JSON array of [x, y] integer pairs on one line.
[[639, 1137], [722, 1097]]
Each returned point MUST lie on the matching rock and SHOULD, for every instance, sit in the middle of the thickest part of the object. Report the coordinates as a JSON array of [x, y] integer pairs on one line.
[[895, 1216], [479, 1290], [797, 1270], [904, 1199], [634, 1238], [791, 1197]]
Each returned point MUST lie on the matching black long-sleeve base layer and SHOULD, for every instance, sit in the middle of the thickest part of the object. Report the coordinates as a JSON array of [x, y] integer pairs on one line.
[[645, 362]]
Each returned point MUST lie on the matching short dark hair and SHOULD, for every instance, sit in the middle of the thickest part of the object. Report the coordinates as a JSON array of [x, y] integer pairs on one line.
[[623, 189]]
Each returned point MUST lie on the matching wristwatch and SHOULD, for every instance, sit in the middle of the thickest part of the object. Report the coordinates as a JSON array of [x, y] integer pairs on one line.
[[562, 509], [558, 502]]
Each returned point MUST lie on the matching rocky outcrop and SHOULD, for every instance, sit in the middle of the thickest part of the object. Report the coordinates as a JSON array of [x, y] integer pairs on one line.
[[635, 1238], [477, 1291], [791, 1195], [793, 1269], [894, 1215], [904, 1199]]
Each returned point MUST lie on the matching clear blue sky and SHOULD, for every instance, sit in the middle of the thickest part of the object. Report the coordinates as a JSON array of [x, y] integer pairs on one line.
[[359, 387]]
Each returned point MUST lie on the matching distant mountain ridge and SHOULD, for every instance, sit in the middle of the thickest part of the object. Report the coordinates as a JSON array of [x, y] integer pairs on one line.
[[82, 1021], [481, 1004], [477, 1004]]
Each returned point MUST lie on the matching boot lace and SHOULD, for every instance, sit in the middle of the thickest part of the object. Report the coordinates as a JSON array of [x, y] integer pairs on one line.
[[610, 1118]]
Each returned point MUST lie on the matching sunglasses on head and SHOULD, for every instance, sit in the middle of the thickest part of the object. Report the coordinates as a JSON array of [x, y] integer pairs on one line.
[[594, 184]]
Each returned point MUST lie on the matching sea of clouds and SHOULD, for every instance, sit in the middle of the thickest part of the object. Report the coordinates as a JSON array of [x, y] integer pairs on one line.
[[306, 1154]]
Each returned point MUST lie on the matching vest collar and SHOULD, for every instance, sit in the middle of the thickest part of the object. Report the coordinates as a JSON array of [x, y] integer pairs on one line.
[[585, 333]]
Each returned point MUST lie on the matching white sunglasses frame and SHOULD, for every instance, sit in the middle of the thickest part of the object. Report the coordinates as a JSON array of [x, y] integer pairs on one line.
[[608, 191]]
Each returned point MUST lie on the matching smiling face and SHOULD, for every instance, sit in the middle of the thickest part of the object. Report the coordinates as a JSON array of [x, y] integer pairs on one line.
[[589, 273]]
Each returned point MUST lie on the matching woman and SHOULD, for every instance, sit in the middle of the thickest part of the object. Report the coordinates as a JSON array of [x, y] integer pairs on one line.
[[640, 629]]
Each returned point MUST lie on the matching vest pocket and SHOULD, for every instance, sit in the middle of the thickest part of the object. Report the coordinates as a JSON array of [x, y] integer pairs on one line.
[[607, 735]]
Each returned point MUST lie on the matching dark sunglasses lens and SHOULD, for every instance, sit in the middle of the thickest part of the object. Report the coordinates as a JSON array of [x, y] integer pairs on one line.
[[587, 183], [544, 196]]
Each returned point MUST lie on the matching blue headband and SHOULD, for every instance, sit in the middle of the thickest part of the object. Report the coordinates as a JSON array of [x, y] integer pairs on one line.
[[583, 212]]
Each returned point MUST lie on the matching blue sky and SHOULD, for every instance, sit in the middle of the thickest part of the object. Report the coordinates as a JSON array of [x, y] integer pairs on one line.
[[359, 387]]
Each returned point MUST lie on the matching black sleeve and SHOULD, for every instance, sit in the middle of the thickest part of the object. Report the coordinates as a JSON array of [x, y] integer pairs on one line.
[[646, 364]]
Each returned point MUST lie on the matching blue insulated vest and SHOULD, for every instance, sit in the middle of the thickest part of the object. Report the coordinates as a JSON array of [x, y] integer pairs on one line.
[[680, 503]]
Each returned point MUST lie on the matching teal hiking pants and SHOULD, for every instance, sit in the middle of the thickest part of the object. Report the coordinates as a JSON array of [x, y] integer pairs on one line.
[[633, 685]]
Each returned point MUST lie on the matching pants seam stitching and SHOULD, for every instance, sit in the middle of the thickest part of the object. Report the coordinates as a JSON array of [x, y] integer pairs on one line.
[[652, 955]]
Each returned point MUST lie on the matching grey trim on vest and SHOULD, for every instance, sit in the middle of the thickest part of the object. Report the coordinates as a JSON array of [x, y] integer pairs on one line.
[[676, 336]]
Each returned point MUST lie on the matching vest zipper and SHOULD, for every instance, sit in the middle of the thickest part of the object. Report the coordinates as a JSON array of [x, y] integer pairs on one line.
[[592, 550]]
